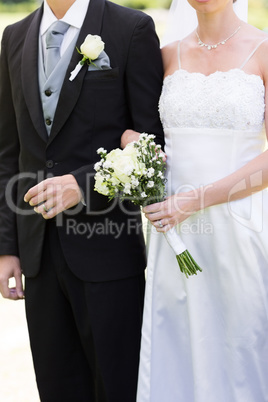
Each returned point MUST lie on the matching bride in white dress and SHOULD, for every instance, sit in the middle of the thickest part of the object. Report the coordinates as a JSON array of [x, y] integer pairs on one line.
[[205, 338]]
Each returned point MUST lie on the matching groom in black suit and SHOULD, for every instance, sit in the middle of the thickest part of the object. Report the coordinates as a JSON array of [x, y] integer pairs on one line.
[[83, 258]]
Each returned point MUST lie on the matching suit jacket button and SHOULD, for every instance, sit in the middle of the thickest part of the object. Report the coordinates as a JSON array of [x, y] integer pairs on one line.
[[49, 164], [48, 122], [48, 92]]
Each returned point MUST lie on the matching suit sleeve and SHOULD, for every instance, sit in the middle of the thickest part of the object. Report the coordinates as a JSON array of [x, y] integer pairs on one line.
[[144, 79], [143, 83], [9, 156]]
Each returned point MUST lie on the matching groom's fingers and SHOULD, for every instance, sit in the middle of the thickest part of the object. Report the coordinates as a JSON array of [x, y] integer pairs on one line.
[[40, 193], [54, 195], [34, 192], [10, 267], [45, 207], [38, 199], [52, 212]]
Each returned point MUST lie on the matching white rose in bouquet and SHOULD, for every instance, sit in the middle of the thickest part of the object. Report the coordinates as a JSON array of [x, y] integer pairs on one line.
[[136, 174], [113, 155], [125, 163], [100, 185]]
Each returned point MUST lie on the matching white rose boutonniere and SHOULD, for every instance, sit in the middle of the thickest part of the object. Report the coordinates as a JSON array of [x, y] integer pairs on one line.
[[90, 49]]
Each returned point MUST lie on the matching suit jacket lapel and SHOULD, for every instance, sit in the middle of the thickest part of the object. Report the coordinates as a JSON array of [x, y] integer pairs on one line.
[[29, 71], [71, 89]]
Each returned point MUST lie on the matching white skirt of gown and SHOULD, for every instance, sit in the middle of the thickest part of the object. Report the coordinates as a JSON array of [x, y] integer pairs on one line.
[[205, 338]]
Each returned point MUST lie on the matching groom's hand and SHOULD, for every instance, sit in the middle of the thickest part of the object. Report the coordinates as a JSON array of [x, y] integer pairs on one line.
[[54, 195], [10, 268]]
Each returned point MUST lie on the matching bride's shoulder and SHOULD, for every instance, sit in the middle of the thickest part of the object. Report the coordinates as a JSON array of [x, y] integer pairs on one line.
[[263, 59], [169, 53], [170, 48], [254, 35], [262, 55], [255, 42]]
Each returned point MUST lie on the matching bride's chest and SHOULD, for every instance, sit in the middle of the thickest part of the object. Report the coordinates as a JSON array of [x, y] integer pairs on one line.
[[230, 99]]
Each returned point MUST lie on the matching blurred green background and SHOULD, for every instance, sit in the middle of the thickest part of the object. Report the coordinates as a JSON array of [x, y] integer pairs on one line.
[[17, 382], [13, 10]]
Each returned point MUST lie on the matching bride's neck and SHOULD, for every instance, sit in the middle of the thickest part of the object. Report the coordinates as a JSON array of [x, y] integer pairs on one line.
[[216, 27]]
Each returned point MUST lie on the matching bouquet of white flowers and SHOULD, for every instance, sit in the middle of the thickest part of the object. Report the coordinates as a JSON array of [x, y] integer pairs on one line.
[[136, 173]]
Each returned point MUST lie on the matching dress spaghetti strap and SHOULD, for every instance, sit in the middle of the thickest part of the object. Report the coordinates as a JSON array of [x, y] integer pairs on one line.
[[179, 54], [252, 53]]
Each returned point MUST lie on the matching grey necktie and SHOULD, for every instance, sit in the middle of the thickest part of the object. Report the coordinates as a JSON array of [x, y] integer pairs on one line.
[[54, 38]]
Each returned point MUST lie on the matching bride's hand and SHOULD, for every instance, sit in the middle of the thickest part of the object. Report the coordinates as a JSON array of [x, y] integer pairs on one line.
[[175, 209]]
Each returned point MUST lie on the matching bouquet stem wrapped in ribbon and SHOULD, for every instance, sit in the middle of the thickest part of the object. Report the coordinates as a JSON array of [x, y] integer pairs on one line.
[[136, 173], [187, 264]]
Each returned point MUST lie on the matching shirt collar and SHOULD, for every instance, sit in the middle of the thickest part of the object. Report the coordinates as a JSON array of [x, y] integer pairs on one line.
[[74, 17]]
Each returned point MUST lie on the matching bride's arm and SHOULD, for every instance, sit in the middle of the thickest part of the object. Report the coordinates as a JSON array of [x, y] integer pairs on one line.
[[242, 183], [129, 136], [247, 180]]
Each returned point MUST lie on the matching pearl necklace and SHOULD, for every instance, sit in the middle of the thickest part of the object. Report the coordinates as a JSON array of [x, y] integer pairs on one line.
[[209, 47]]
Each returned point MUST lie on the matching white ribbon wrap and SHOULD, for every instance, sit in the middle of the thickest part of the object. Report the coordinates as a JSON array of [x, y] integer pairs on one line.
[[75, 71], [175, 242]]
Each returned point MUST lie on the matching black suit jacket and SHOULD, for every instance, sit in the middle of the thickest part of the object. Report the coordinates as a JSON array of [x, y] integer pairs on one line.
[[92, 112]]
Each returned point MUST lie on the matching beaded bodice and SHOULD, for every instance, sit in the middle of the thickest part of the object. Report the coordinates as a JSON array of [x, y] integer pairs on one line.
[[227, 100]]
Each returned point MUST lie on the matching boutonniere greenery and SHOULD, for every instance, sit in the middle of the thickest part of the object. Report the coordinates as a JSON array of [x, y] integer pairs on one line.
[[90, 50]]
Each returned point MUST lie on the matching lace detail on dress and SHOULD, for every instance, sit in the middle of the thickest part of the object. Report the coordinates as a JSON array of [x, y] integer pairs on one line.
[[231, 100]]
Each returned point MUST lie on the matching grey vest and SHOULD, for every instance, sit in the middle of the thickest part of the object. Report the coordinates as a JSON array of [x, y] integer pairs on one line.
[[50, 87]]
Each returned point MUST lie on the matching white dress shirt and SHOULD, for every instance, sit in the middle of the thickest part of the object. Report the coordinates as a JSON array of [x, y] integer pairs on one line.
[[74, 17]]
